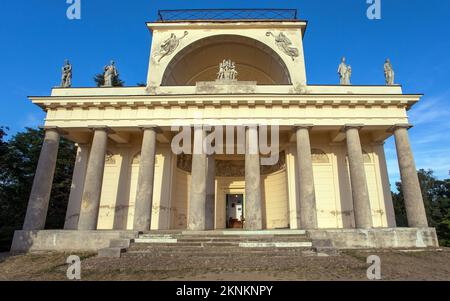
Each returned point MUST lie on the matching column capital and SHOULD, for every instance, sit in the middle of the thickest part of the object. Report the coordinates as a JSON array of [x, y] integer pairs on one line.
[[105, 128], [154, 127], [303, 126], [399, 126], [349, 126], [54, 129]]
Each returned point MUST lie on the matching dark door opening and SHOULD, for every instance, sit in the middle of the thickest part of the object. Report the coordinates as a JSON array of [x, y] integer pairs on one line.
[[235, 211]]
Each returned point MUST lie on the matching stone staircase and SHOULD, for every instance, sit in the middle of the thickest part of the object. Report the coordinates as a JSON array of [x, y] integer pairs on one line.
[[219, 244]]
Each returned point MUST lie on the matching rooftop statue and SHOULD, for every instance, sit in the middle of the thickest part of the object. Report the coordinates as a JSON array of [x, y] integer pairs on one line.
[[110, 74], [389, 73], [227, 70], [66, 79], [284, 44], [169, 45], [345, 72]]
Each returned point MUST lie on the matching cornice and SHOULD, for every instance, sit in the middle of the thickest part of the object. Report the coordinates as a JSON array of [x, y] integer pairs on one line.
[[218, 100]]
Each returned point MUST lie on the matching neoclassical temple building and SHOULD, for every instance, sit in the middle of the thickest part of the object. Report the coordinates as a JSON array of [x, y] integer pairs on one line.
[[244, 73]]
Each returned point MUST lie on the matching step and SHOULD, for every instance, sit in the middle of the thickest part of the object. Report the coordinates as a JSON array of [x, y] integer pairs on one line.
[[250, 254], [174, 248], [242, 239], [120, 243], [111, 252], [244, 232], [155, 240], [275, 245]]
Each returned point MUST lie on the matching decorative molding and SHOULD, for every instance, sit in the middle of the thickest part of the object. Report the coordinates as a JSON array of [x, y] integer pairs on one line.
[[136, 101], [232, 168], [319, 156], [110, 159]]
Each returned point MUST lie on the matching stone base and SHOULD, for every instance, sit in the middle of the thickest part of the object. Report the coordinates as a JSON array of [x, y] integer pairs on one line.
[[380, 238], [66, 240], [225, 87]]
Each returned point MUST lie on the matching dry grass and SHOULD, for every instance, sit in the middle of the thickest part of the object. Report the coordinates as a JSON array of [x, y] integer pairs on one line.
[[350, 265]]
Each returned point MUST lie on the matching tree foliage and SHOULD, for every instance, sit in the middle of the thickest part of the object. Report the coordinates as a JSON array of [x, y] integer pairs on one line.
[[100, 81], [18, 161], [436, 197]]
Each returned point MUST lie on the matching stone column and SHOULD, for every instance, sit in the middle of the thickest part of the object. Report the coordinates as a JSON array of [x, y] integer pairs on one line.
[[90, 202], [43, 179], [415, 209], [144, 195], [76, 191], [307, 201], [210, 192], [197, 200], [253, 211], [360, 192]]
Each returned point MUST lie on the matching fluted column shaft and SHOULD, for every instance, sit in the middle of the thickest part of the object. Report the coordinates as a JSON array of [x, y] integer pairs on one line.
[[360, 192], [144, 195], [76, 191], [415, 209], [307, 197], [90, 202], [210, 192], [197, 199], [253, 210], [42, 185]]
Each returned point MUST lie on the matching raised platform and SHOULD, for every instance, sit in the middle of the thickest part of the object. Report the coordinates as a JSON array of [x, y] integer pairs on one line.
[[65, 240], [379, 238], [61, 240]]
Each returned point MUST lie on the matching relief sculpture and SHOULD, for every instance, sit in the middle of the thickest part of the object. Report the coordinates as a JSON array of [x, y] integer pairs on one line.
[[285, 44]]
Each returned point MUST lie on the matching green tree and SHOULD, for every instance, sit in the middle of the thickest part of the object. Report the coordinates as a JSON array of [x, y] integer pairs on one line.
[[19, 163], [100, 81]]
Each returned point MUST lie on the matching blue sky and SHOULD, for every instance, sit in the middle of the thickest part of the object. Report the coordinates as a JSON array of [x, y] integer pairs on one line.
[[36, 37]]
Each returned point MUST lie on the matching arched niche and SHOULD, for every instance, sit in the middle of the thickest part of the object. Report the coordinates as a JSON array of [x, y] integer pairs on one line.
[[199, 61]]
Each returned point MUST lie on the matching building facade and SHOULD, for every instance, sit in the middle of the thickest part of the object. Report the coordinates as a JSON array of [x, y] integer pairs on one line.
[[331, 172]]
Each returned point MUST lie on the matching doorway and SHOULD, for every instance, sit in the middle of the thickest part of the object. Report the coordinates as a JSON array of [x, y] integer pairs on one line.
[[235, 211]]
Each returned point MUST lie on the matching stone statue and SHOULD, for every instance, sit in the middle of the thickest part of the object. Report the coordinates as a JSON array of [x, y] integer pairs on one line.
[[169, 45], [389, 73], [284, 44], [227, 70], [66, 79], [345, 72], [110, 74]]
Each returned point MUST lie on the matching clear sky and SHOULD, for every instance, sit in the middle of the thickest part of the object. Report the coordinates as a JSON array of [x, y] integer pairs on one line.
[[36, 37]]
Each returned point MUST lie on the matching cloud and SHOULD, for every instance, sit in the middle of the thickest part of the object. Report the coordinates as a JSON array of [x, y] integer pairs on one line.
[[432, 110]]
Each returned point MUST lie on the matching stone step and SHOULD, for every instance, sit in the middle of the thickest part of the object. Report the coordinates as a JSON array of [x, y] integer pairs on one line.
[[201, 255], [241, 239], [245, 233], [155, 240], [111, 252], [275, 244], [210, 247], [120, 243]]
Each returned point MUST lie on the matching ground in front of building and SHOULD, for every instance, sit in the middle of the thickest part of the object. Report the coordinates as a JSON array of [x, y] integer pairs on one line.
[[248, 266]]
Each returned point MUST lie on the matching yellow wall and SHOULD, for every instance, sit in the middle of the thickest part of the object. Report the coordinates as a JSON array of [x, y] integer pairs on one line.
[[120, 186], [275, 201]]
